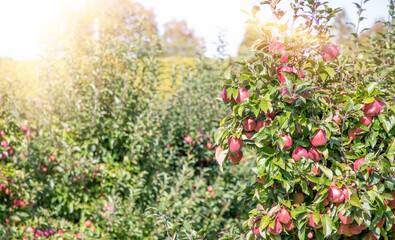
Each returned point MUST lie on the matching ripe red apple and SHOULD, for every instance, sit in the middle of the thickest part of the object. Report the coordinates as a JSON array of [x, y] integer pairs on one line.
[[284, 216], [344, 219], [271, 115], [235, 144], [326, 201], [298, 197], [335, 195], [314, 155], [4, 144], [209, 145], [249, 124], [391, 203], [260, 124], [224, 95], [358, 163], [288, 97], [353, 132], [280, 47], [381, 223], [24, 127], [355, 229], [278, 228], [345, 192], [10, 151], [255, 227], [289, 226], [2, 133], [329, 52], [337, 119], [298, 153], [382, 104], [344, 229], [283, 69], [260, 180], [319, 138], [301, 74], [365, 120], [51, 158], [188, 139], [287, 142], [310, 234], [209, 188], [235, 157], [314, 224], [248, 134], [243, 94], [372, 109]]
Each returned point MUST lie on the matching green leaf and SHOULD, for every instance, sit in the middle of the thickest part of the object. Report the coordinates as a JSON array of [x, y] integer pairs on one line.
[[327, 224], [330, 71], [264, 222], [327, 172], [264, 105], [354, 201], [371, 87]]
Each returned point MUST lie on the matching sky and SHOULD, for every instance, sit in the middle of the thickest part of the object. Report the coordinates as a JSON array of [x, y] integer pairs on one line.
[[20, 20]]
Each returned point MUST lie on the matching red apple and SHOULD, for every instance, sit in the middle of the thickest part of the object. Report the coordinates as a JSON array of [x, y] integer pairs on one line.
[[2, 133], [382, 104], [319, 138], [209, 145], [289, 226], [209, 188], [24, 127], [284, 216], [337, 118], [249, 134], [284, 69], [287, 142], [372, 109], [358, 163], [280, 47], [344, 219], [278, 228], [301, 74], [315, 169], [271, 115], [235, 144], [355, 229], [235, 157], [353, 132], [310, 234], [298, 153], [345, 192], [329, 52], [249, 124], [224, 95], [188, 139], [260, 124], [314, 155], [335, 195], [314, 224], [344, 229], [255, 227], [243, 94], [381, 223], [370, 236], [51, 158], [4, 144], [365, 120], [260, 180], [288, 97]]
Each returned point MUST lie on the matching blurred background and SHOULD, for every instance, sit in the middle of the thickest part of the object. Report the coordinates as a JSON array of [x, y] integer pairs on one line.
[[120, 100]]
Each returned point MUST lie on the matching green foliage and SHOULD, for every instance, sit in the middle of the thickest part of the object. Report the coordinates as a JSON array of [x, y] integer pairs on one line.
[[315, 103]]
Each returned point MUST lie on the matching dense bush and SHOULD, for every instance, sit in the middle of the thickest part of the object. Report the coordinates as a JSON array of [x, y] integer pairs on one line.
[[323, 126]]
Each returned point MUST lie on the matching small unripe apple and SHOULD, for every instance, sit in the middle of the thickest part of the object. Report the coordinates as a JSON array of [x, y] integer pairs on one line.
[[314, 224], [243, 94], [249, 124], [372, 109], [365, 120], [298, 153], [335, 195], [278, 228], [319, 138], [353, 132], [329, 52], [284, 216], [298, 198], [235, 157], [314, 155], [283, 69], [287, 142], [235, 144], [344, 219]]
